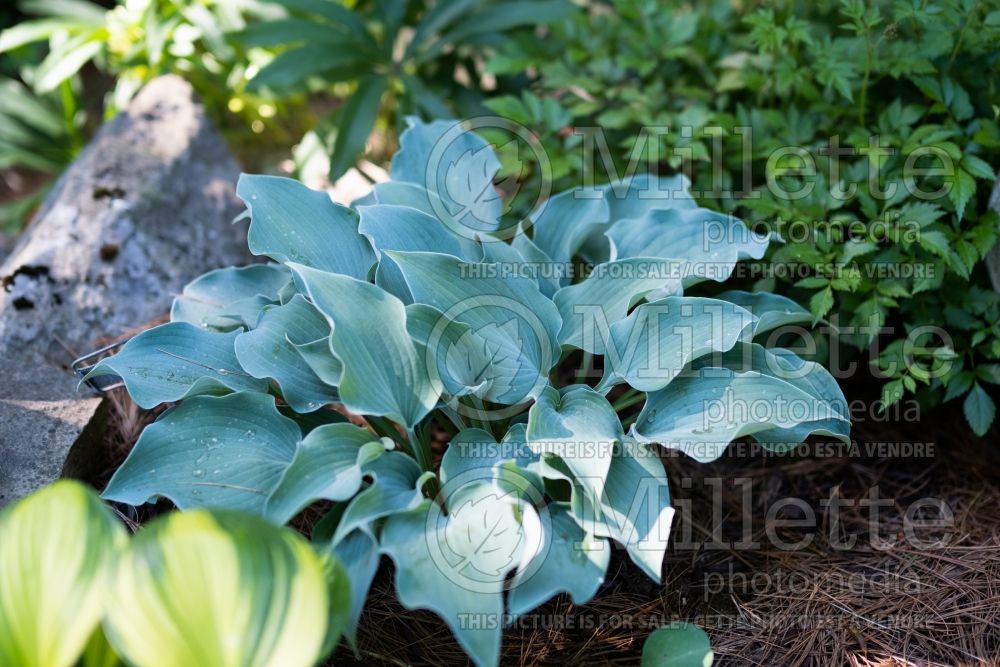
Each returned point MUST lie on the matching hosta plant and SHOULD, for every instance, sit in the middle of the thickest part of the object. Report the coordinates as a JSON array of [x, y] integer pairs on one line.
[[332, 372], [199, 588]]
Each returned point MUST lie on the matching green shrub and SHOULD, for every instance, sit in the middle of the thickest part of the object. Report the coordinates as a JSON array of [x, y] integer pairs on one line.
[[922, 76], [406, 58], [419, 310]]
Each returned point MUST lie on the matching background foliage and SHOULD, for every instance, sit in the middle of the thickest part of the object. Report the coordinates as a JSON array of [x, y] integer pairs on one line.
[[918, 74]]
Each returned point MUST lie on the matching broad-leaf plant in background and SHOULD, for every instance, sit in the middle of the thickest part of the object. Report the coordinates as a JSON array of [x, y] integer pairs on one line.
[[402, 57], [74, 589], [52, 99], [864, 246], [422, 309]]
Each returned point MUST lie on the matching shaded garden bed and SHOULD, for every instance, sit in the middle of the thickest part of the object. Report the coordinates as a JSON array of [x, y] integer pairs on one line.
[[817, 605]]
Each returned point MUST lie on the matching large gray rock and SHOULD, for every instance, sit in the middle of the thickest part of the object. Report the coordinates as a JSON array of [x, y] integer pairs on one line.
[[145, 208]]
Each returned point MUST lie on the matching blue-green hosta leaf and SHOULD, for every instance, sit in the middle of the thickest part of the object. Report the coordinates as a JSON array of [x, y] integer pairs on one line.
[[456, 165], [455, 564], [651, 346], [772, 311], [398, 193], [58, 549], [175, 361], [571, 560], [327, 466], [208, 451], [230, 298], [397, 485], [768, 396], [635, 509], [709, 243], [633, 198], [226, 589], [636, 196], [391, 227], [577, 425], [550, 274], [383, 373], [522, 257], [517, 322], [473, 455], [806, 375], [456, 359], [359, 554], [606, 296], [291, 223], [321, 360], [312, 420], [563, 222], [269, 351], [677, 644]]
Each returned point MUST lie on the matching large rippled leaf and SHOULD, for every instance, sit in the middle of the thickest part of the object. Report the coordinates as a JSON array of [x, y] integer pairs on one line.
[[291, 223], [606, 295], [327, 466], [772, 311], [225, 452], [404, 228], [764, 392], [175, 361], [399, 193], [396, 485], [562, 223], [709, 243], [456, 359], [358, 553], [577, 425], [269, 351], [570, 560], [455, 564], [635, 508], [229, 298], [383, 373], [474, 455], [806, 375], [221, 589], [518, 324], [633, 198], [549, 275], [321, 360], [651, 346], [58, 549], [456, 165]]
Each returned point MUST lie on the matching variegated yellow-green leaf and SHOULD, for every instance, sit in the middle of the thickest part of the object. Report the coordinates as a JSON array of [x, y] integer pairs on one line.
[[57, 549], [220, 589]]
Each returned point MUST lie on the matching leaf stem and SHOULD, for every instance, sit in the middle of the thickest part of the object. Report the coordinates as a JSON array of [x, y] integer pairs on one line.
[[453, 416], [386, 429], [628, 399], [581, 375], [961, 36], [421, 448], [862, 100]]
